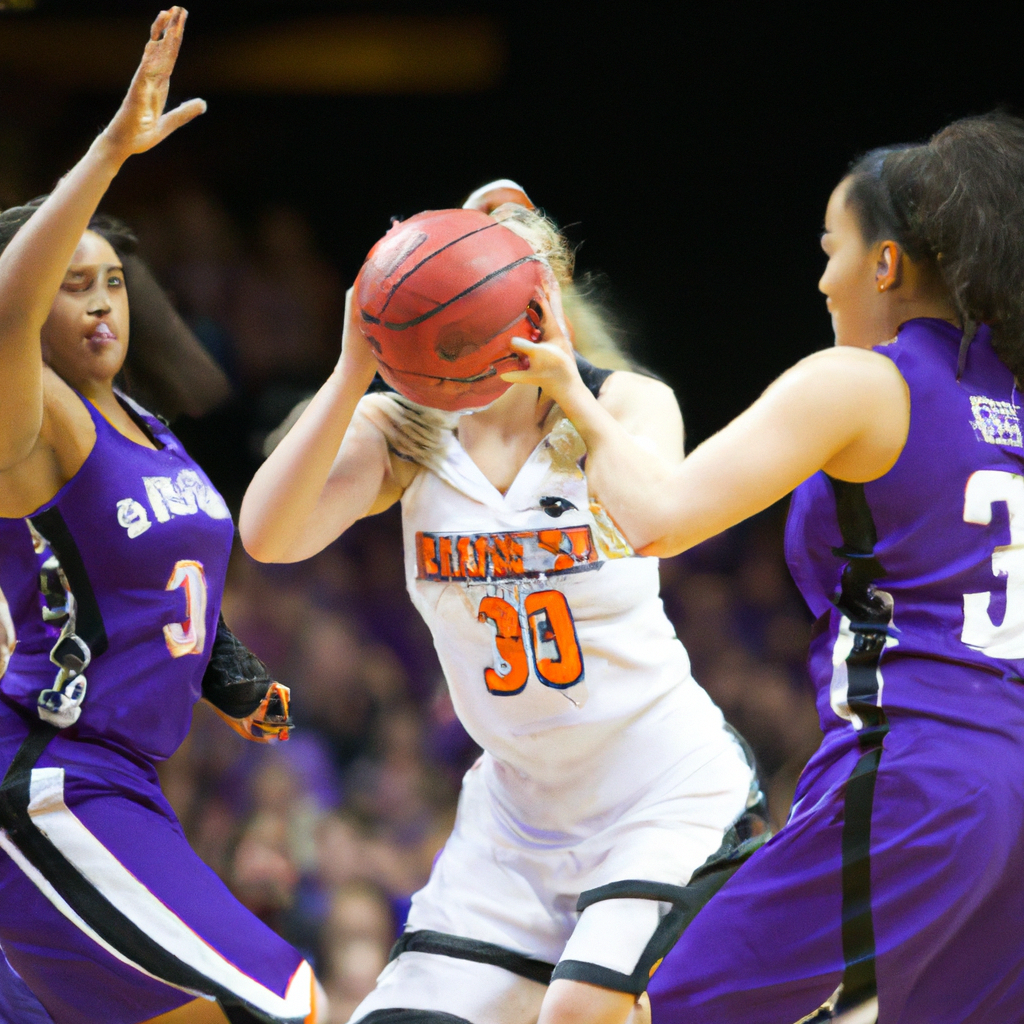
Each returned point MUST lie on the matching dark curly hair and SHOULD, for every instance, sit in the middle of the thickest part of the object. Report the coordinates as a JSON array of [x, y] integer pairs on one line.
[[958, 200], [166, 367]]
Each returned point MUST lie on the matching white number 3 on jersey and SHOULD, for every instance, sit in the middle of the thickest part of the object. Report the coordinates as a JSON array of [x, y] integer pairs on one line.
[[1006, 640], [188, 636]]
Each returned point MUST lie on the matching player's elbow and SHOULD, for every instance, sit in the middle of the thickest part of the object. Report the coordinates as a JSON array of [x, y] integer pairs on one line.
[[257, 534]]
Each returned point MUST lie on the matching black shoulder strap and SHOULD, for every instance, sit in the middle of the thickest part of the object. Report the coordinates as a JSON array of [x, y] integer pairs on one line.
[[593, 376]]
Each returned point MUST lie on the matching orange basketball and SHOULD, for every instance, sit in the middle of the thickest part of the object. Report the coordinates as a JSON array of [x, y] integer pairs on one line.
[[440, 297]]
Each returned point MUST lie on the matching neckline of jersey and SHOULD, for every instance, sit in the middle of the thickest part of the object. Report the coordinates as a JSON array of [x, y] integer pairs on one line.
[[481, 476], [135, 415]]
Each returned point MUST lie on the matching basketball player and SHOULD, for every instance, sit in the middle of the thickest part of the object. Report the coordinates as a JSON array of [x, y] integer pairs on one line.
[[898, 875], [115, 547], [608, 776]]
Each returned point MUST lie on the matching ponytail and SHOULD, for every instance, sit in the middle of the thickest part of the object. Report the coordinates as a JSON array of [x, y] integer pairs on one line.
[[959, 201]]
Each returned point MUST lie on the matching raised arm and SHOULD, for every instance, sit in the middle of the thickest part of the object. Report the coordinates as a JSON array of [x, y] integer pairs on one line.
[[844, 410], [329, 470], [33, 265]]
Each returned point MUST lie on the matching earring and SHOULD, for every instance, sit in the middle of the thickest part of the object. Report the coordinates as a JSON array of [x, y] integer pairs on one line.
[[882, 285]]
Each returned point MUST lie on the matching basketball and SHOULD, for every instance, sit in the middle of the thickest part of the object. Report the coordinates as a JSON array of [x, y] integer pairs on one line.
[[440, 297]]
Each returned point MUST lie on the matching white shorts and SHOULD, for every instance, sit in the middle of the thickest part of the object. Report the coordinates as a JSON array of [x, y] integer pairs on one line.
[[492, 885]]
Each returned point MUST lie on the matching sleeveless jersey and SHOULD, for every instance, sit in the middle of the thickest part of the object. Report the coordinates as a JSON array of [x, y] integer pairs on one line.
[[939, 539], [559, 658], [114, 588]]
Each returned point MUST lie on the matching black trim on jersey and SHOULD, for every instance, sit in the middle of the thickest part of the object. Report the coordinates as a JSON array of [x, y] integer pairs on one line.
[[109, 923], [426, 941], [870, 615], [401, 1015], [88, 621], [593, 376]]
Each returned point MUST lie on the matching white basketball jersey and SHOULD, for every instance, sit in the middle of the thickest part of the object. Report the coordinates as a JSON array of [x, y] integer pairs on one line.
[[559, 657]]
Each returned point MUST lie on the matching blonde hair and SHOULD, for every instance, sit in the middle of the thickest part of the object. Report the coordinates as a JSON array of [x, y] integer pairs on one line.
[[594, 334]]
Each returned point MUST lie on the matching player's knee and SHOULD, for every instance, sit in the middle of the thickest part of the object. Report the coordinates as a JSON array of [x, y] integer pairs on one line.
[[577, 1002]]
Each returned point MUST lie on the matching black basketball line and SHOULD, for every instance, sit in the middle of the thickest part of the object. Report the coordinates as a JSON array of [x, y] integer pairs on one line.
[[426, 259], [491, 371], [455, 298]]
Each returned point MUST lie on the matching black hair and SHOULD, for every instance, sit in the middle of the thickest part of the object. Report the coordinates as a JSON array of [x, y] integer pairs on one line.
[[957, 200], [121, 237], [166, 368]]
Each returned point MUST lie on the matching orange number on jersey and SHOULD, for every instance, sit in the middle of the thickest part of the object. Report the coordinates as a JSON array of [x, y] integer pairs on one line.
[[551, 625], [189, 636], [509, 639], [556, 649]]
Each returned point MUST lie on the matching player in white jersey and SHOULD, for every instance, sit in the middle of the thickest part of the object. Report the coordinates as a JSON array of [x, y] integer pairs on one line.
[[608, 776]]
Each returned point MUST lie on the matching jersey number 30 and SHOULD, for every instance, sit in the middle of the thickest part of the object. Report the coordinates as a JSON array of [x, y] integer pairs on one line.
[[548, 622]]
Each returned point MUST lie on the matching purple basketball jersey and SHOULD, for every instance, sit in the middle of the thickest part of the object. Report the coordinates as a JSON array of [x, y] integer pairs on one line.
[[949, 519], [114, 588], [896, 881]]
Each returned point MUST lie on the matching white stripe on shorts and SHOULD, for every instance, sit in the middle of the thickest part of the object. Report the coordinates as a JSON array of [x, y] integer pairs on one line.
[[126, 893]]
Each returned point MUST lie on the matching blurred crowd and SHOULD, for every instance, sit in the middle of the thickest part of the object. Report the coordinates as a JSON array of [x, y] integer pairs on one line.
[[326, 837]]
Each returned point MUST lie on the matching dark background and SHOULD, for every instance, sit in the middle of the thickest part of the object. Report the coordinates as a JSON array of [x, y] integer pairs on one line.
[[691, 150]]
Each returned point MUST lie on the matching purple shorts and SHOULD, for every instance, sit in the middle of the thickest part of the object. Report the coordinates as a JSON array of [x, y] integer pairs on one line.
[[105, 910], [946, 871]]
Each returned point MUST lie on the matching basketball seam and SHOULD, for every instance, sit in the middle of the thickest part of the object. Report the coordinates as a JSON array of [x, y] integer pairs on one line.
[[426, 259], [484, 375], [416, 321]]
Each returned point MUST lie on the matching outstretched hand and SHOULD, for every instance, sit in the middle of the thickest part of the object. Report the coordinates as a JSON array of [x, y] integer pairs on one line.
[[141, 123], [549, 363]]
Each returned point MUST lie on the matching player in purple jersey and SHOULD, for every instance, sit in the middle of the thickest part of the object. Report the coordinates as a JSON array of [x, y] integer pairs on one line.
[[894, 892], [115, 547]]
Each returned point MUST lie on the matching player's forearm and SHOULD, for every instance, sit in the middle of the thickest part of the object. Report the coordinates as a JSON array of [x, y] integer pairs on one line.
[[282, 501], [32, 267], [625, 477], [34, 263]]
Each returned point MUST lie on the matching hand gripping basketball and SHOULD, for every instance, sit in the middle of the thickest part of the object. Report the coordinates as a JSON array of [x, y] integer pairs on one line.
[[439, 297], [548, 363]]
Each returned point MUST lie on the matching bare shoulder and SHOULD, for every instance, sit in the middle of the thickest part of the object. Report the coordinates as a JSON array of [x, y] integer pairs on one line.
[[66, 421], [646, 408], [65, 439], [864, 396], [850, 370], [626, 391]]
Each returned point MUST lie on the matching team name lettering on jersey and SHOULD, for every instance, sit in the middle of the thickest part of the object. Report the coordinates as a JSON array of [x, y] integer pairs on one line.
[[522, 554], [185, 495], [996, 422]]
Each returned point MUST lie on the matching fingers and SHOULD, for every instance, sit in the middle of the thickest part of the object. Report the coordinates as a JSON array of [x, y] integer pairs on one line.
[[161, 51], [163, 19], [188, 111], [551, 303], [517, 377]]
